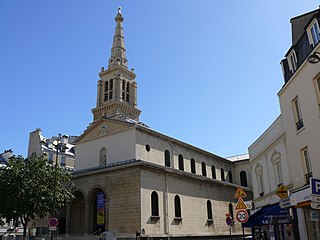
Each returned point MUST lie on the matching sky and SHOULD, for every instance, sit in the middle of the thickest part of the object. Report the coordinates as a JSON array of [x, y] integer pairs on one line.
[[208, 71]]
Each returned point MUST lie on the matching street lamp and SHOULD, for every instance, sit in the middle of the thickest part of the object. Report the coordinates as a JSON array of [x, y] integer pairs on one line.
[[59, 145], [314, 58]]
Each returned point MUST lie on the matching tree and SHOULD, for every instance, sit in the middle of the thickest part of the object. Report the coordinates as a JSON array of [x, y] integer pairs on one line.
[[27, 189]]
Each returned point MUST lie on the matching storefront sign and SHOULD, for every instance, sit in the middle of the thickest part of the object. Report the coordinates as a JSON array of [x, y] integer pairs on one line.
[[301, 196], [315, 205], [285, 203], [315, 186]]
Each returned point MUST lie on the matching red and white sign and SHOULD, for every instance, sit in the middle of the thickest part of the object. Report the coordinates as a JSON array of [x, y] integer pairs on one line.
[[242, 216], [53, 222]]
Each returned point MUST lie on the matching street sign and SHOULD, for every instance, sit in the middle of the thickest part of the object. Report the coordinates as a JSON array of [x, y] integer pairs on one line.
[[241, 204], [315, 198], [315, 186], [285, 203], [52, 228], [53, 222], [229, 220], [315, 205], [242, 216], [249, 204], [240, 193], [282, 191]]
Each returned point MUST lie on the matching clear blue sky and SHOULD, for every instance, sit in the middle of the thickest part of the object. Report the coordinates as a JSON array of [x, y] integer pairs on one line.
[[208, 71]]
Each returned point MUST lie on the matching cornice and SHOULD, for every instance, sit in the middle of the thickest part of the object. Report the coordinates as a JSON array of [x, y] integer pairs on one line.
[[117, 69]]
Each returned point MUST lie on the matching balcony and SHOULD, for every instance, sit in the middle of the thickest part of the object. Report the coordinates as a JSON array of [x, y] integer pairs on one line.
[[308, 176], [299, 124]]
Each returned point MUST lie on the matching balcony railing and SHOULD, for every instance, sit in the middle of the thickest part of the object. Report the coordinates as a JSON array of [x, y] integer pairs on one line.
[[308, 176], [299, 124]]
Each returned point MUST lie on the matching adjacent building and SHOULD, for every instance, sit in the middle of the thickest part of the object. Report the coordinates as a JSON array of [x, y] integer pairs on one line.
[[40, 145], [288, 152]]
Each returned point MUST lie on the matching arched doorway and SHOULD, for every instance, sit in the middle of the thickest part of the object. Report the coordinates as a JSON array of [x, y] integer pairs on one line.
[[77, 211], [97, 211]]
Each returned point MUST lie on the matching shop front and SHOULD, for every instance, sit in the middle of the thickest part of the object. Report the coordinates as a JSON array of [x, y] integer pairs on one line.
[[271, 222], [308, 217]]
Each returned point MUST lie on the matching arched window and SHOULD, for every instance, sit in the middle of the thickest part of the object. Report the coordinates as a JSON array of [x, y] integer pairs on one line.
[[167, 158], [243, 178], [231, 210], [154, 204], [213, 172], [111, 89], [209, 210], [276, 162], [181, 164], [259, 174], [177, 207], [203, 168], [193, 166], [128, 92], [222, 175], [230, 177], [108, 90], [103, 157], [124, 89]]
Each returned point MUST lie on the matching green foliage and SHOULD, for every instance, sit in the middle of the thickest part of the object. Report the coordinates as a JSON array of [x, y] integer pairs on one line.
[[27, 188]]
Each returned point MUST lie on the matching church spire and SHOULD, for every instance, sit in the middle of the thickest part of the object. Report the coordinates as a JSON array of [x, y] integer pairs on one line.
[[118, 51], [117, 87]]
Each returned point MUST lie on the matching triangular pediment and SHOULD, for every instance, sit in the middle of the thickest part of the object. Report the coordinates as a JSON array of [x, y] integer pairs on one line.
[[104, 127]]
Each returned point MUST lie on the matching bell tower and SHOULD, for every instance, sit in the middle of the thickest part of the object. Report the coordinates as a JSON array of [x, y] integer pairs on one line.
[[117, 87]]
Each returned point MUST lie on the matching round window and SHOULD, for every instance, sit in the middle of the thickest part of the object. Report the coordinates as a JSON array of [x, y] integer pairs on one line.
[[148, 148]]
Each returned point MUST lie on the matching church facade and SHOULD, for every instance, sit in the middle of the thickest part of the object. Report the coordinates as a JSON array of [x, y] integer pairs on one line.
[[134, 181]]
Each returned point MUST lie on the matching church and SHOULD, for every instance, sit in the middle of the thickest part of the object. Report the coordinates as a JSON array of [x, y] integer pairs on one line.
[[134, 181]]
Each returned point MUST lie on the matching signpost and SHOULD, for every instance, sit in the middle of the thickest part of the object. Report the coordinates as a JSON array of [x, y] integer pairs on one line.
[[241, 204], [315, 186], [242, 216], [53, 222], [315, 193], [285, 203], [229, 220], [282, 191]]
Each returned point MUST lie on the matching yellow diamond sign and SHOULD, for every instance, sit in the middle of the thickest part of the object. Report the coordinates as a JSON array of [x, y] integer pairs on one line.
[[282, 191]]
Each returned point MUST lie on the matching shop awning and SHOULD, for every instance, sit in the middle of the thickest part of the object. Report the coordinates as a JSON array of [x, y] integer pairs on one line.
[[268, 215]]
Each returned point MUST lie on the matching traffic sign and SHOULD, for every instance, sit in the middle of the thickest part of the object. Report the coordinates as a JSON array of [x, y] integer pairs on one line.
[[285, 203], [53, 222], [315, 186], [242, 216], [240, 193], [241, 204], [249, 204], [52, 228], [229, 220], [282, 191], [315, 198], [315, 205]]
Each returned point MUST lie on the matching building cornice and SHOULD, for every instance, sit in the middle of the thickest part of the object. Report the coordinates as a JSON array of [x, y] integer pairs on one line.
[[117, 69]]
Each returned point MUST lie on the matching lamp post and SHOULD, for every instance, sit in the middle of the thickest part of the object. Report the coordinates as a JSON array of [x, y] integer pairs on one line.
[[314, 58], [59, 145]]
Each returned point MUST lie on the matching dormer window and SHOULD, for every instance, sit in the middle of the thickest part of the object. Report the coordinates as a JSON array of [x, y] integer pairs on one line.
[[292, 61], [313, 32]]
